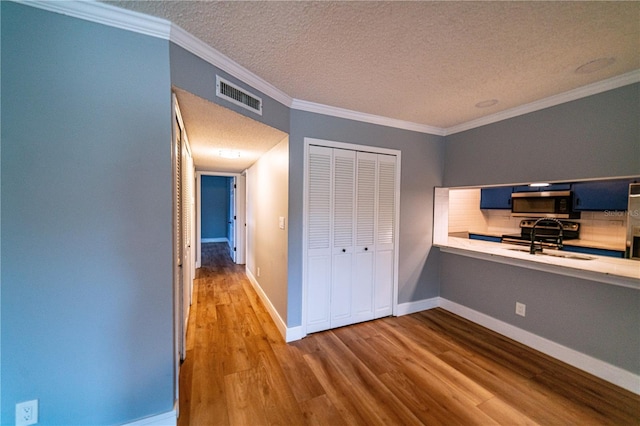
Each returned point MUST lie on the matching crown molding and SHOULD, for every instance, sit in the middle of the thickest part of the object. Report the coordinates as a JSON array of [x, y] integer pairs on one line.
[[199, 48], [160, 28], [364, 117], [141, 23], [561, 98], [106, 14]]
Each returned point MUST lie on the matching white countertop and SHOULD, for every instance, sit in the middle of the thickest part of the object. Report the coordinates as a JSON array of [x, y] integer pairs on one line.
[[609, 270], [576, 242]]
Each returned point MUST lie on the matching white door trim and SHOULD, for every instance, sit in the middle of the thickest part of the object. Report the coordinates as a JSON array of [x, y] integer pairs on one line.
[[355, 147]]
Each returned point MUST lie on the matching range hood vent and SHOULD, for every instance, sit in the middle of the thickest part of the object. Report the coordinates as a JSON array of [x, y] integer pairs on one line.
[[238, 96]]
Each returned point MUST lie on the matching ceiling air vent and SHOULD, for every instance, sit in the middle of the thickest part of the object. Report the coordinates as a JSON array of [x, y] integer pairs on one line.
[[238, 96]]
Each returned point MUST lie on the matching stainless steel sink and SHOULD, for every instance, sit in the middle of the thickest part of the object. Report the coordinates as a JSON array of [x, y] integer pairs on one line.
[[556, 254]]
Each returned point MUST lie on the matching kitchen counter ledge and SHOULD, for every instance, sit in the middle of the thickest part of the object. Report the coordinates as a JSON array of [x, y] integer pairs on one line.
[[609, 270]]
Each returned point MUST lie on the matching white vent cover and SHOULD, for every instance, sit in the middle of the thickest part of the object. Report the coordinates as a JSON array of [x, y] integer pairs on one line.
[[238, 96]]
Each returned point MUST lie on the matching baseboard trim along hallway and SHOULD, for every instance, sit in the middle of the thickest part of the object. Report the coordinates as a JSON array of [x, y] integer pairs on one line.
[[289, 334]]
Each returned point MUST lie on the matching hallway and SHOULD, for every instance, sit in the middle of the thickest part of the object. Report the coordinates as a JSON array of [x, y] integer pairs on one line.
[[431, 367]]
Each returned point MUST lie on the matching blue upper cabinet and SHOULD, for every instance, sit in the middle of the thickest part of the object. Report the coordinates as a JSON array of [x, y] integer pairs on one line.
[[496, 198], [601, 195]]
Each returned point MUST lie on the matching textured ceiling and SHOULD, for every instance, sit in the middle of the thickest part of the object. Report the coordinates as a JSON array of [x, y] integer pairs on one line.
[[211, 128], [423, 62]]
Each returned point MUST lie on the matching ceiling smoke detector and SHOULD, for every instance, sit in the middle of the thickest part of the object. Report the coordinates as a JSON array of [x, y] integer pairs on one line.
[[595, 65]]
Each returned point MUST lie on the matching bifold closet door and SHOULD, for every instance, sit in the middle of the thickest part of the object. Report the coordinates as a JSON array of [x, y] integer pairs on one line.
[[343, 215], [385, 255], [318, 271], [351, 202], [364, 256]]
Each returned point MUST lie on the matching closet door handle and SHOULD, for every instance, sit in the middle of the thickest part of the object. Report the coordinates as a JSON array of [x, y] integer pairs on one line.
[[344, 250], [366, 248]]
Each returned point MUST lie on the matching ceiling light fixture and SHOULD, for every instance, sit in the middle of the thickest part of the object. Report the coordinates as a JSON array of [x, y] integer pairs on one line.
[[595, 65], [487, 104], [227, 153], [538, 185]]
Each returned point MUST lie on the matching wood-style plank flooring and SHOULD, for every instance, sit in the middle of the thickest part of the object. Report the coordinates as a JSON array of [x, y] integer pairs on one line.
[[427, 368]]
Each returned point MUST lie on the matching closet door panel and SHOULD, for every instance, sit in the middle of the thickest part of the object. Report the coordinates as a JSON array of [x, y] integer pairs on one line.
[[318, 293], [318, 277], [344, 169], [362, 288], [383, 283], [385, 235]]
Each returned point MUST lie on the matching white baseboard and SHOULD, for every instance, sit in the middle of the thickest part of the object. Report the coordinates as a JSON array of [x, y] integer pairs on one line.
[[413, 307], [288, 334], [598, 368], [165, 419], [214, 240]]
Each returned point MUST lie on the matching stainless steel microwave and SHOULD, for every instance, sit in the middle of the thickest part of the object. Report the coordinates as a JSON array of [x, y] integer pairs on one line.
[[558, 204]]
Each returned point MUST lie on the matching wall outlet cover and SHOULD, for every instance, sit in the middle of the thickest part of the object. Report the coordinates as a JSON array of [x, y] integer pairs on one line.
[[27, 413], [521, 309]]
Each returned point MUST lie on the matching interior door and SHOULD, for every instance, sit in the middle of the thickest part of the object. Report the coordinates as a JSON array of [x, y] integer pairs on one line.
[[318, 237], [343, 211], [187, 194], [232, 218], [241, 219], [177, 250], [384, 272], [362, 287]]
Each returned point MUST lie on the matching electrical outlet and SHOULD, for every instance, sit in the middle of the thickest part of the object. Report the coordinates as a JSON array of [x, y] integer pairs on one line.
[[521, 309], [27, 413], [258, 271]]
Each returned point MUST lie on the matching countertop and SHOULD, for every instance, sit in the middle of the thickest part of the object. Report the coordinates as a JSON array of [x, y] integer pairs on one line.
[[576, 242], [609, 270]]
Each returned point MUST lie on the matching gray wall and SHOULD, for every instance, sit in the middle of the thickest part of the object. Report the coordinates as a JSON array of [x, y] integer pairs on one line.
[[594, 137], [198, 77], [422, 170], [597, 319], [214, 209], [600, 135], [86, 220]]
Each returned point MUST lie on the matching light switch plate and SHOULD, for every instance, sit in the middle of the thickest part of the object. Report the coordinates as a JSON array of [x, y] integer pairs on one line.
[[281, 222]]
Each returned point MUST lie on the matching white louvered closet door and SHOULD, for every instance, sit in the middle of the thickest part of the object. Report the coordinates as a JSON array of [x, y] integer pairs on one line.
[[362, 288], [342, 274], [318, 272], [351, 205], [385, 236]]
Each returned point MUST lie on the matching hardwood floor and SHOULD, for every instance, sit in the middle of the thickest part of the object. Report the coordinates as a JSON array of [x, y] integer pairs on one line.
[[428, 368]]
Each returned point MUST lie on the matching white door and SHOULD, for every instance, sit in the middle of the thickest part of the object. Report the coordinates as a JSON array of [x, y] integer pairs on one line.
[[343, 216], [232, 220], [318, 230], [241, 219], [386, 200], [365, 230], [350, 224], [187, 230]]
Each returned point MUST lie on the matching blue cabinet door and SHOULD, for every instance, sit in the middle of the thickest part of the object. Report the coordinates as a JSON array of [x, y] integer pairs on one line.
[[596, 251], [496, 198], [601, 195], [482, 237]]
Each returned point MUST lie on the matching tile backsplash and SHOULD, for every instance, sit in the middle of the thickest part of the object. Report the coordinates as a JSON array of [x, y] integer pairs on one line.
[[465, 215]]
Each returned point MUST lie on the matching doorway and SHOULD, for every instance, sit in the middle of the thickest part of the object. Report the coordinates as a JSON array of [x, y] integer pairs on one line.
[[221, 206]]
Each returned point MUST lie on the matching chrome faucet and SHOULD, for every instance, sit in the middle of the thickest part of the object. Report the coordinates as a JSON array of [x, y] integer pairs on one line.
[[532, 248]]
